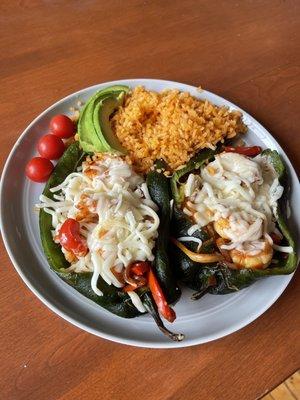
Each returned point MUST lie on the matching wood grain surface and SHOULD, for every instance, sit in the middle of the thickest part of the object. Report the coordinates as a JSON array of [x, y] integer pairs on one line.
[[288, 390], [246, 51]]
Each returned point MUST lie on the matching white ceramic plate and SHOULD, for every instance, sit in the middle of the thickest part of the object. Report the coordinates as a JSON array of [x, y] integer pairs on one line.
[[201, 321]]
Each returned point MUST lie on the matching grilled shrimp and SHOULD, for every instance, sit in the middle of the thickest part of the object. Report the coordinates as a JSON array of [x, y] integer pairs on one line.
[[256, 254], [247, 259], [220, 225]]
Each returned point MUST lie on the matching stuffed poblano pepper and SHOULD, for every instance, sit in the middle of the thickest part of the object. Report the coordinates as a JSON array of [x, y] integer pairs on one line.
[[104, 227], [101, 233], [228, 227]]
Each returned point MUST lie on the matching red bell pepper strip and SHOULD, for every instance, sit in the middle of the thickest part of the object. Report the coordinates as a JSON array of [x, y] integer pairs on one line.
[[246, 151], [129, 288], [139, 268], [135, 275], [164, 309], [70, 239]]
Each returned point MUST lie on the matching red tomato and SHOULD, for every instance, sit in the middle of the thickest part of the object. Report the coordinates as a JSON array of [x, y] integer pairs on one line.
[[62, 126], [38, 169], [140, 267], [70, 239], [51, 147]]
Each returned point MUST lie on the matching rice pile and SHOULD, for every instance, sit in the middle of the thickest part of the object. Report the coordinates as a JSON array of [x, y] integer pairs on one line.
[[171, 125]]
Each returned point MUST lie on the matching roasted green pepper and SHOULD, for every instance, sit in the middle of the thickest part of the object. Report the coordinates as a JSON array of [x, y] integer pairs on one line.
[[275, 159], [114, 300], [195, 163], [217, 278], [189, 272], [159, 190]]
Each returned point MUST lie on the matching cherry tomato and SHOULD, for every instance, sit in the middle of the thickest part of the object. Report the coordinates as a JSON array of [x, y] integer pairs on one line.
[[62, 126], [139, 268], [38, 169], [246, 151], [51, 147], [69, 237]]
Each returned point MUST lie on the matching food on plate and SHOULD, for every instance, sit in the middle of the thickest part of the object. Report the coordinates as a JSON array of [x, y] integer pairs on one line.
[[39, 169], [62, 126], [94, 128], [99, 229], [152, 189], [246, 151], [228, 225], [51, 147], [171, 125]]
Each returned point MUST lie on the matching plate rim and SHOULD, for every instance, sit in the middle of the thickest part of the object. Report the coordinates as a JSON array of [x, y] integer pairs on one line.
[[133, 342]]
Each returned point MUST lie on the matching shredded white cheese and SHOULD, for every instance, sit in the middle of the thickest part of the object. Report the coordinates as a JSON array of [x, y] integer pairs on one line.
[[239, 195], [191, 239], [117, 218], [283, 249], [136, 301], [192, 229]]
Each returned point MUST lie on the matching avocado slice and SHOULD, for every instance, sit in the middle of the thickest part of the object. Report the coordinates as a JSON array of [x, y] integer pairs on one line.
[[102, 112], [93, 138]]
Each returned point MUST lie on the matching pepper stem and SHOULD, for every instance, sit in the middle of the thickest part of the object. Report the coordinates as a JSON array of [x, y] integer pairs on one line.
[[150, 306]]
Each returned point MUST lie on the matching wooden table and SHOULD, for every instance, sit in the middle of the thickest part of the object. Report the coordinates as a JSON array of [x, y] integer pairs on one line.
[[246, 51]]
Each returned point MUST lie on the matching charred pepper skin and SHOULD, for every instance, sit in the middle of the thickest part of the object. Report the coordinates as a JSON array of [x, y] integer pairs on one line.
[[217, 278], [159, 190], [195, 163], [151, 307], [113, 300], [188, 271]]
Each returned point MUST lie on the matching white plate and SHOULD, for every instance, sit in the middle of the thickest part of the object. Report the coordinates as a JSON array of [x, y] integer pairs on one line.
[[201, 321]]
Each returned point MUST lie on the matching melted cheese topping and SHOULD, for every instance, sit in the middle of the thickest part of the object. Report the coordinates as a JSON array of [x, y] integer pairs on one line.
[[117, 218], [239, 195]]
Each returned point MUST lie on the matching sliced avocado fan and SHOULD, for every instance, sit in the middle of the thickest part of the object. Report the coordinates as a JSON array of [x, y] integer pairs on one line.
[[94, 128]]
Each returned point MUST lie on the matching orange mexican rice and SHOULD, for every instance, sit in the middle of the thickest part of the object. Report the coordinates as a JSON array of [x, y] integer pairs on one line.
[[171, 125]]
